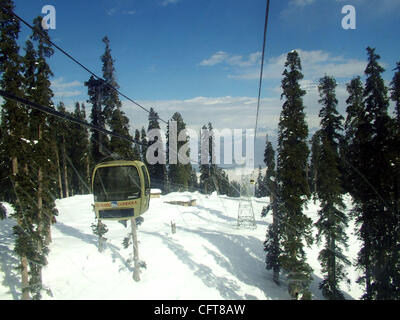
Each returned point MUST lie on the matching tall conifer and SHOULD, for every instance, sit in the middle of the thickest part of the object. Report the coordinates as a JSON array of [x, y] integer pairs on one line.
[[14, 134], [157, 171], [294, 190], [332, 221], [272, 245]]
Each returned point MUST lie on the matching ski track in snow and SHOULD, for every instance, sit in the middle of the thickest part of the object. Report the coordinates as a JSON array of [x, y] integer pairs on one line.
[[208, 258]]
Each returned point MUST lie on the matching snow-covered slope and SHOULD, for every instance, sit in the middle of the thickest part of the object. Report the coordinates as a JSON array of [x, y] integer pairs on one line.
[[207, 258]]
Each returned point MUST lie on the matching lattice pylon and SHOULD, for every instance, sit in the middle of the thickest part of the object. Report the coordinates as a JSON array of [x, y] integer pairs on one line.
[[246, 217]]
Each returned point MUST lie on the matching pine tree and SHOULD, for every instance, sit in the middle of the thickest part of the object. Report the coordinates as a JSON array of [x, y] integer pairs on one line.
[[379, 220], [355, 120], [157, 171], [136, 148], [211, 177], [332, 221], [114, 116], [214, 170], [99, 142], [395, 96], [372, 181], [179, 173], [272, 242], [63, 141], [143, 145], [78, 151], [292, 163], [395, 92], [193, 181], [259, 184], [314, 167], [42, 167], [205, 176], [14, 119]]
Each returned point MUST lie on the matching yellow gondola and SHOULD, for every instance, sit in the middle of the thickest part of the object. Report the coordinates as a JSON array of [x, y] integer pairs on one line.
[[121, 189]]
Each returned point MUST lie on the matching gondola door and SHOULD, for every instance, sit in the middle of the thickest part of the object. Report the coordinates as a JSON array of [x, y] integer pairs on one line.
[[146, 181]]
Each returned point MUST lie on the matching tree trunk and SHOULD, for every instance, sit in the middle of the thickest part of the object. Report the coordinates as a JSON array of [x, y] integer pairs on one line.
[[23, 259], [25, 279], [65, 169], [276, 269], [40, 223], [58, 171], [136, 271], [88, 170]]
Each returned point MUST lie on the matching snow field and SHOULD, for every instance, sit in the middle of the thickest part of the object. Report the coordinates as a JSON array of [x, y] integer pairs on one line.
[[207, 258]]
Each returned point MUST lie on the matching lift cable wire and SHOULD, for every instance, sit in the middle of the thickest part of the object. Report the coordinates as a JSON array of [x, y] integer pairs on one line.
[[262, 67], [42, 35]]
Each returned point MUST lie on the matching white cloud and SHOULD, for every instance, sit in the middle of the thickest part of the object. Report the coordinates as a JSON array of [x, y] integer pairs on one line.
[[216, 58], [168, 2], [59, 83], [111, 11], [65, 89], [129, 12], [301, 3], [222, 57], [235, 112], [223, 112], [315, 64]]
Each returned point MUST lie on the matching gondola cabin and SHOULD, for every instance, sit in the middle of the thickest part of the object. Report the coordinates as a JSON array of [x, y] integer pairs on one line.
[[121, 189]]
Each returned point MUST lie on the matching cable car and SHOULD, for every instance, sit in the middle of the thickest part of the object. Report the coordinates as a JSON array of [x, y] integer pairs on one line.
[[121, 189]]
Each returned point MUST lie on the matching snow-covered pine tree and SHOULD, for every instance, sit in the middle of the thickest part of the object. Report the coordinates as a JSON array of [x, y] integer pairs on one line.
[[14, 119], [333, 221], [40, 168], [272, 245], [293, 185]]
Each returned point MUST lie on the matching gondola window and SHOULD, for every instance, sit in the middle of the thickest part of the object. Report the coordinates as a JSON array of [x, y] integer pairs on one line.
[[116, 183]]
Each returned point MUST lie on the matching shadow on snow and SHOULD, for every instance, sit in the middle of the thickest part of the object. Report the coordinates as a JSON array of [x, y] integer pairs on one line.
[[9, 261]]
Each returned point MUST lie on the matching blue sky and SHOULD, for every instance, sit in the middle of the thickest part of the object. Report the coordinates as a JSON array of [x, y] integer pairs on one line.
[[202, 57]]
